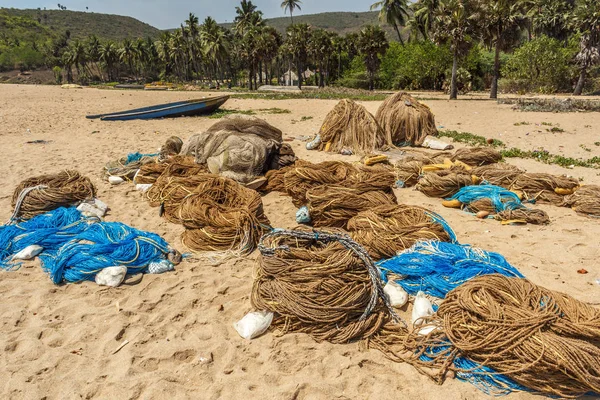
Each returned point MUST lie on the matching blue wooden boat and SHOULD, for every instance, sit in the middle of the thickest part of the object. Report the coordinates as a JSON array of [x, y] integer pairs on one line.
[[170, 110]]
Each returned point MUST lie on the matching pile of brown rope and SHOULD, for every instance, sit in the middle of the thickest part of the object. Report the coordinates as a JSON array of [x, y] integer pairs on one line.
[[585, 200], [322, 284], [544, 340], [51, 191], [388, 229], [350, 126], [335, 205], [545, 188], [179, 166], [218, 213], [444, 183], [498, 174], [408, 172], [523, 215], [477, 156], [304, 176], [405, 120]]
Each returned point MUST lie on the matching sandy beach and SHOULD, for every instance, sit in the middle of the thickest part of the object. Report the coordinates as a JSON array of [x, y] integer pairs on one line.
[[57, 342]]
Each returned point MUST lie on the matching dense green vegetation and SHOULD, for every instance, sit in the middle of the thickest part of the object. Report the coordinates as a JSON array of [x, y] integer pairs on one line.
[[83, 24], [452, 45]]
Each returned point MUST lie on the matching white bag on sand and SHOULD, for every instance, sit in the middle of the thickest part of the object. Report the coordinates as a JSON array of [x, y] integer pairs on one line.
[[143, 187], [89, 210], [421, 309], [395, 294], [435, 144], [28, 252], [111, 276], [115, 180], [254, 324], [99, 204]]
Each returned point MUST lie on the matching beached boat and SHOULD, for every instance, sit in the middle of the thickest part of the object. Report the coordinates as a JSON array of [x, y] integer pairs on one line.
[[170, 110]]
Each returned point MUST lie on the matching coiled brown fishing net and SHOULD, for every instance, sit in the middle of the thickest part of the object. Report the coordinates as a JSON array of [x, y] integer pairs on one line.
[[443, 183], [176, 166], [387, 229], [218, 213], [477, 156], [350, 126], [524, 215], [498, 174], [335, 205], [544, 188], [408, 172], [585, 200], [322, 284], [305, 176], [405, 120], [63, 189], [546, 341]]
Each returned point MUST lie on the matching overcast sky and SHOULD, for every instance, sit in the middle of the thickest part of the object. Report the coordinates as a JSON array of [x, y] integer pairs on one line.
[[165, 14]]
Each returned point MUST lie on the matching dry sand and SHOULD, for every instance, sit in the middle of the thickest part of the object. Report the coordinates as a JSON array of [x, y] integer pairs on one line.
[[57, 342]]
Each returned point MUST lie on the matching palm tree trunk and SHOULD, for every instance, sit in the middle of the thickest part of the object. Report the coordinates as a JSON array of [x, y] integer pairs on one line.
[[496, 76], [581, 81], [453, 85], [399, 35], [299, 66], [292, 16]]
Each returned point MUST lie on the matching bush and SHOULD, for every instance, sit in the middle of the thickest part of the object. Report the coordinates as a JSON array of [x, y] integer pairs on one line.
[[356, 76], [541, 65], [57, 74], [415, 66], [463, 81]]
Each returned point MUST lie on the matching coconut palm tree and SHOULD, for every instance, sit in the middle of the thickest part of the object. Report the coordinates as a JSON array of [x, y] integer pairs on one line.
[[372, 44], [499, 19], [423, 14], [587, 21], [320, 48], [247, 16], [455, 22], [127, 55], [291, 5], [215, 46], [394, 13], [296, 45], [93, 52], [109, 56]]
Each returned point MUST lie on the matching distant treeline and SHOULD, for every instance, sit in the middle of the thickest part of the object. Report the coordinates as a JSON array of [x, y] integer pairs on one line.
[[453, 45]]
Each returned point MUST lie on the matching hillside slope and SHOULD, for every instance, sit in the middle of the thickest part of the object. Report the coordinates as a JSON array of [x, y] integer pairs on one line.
[[83, 24], [338, 22]]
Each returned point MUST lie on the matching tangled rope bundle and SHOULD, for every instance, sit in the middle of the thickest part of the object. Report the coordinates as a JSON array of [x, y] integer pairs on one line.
[[305, 175], [387, 229], [405, 120], [545, 188], [51, 191], [218, 213], [319, 283], [498, 174], [585, 200], [408, 172], [524, 215], [444, 183], [335, 205], [176, 166], [222, 215], [350, 126], [545, 340], [477, 156]]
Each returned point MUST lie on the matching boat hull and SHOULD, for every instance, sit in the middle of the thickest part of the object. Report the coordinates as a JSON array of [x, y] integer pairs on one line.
[[169, 110]]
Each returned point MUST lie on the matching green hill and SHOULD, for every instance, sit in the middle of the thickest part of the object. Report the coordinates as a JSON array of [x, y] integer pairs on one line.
[[83, 24], [338, 22]]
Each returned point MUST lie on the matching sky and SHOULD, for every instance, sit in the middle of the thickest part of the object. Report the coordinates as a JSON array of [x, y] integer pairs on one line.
[[165, 14]]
